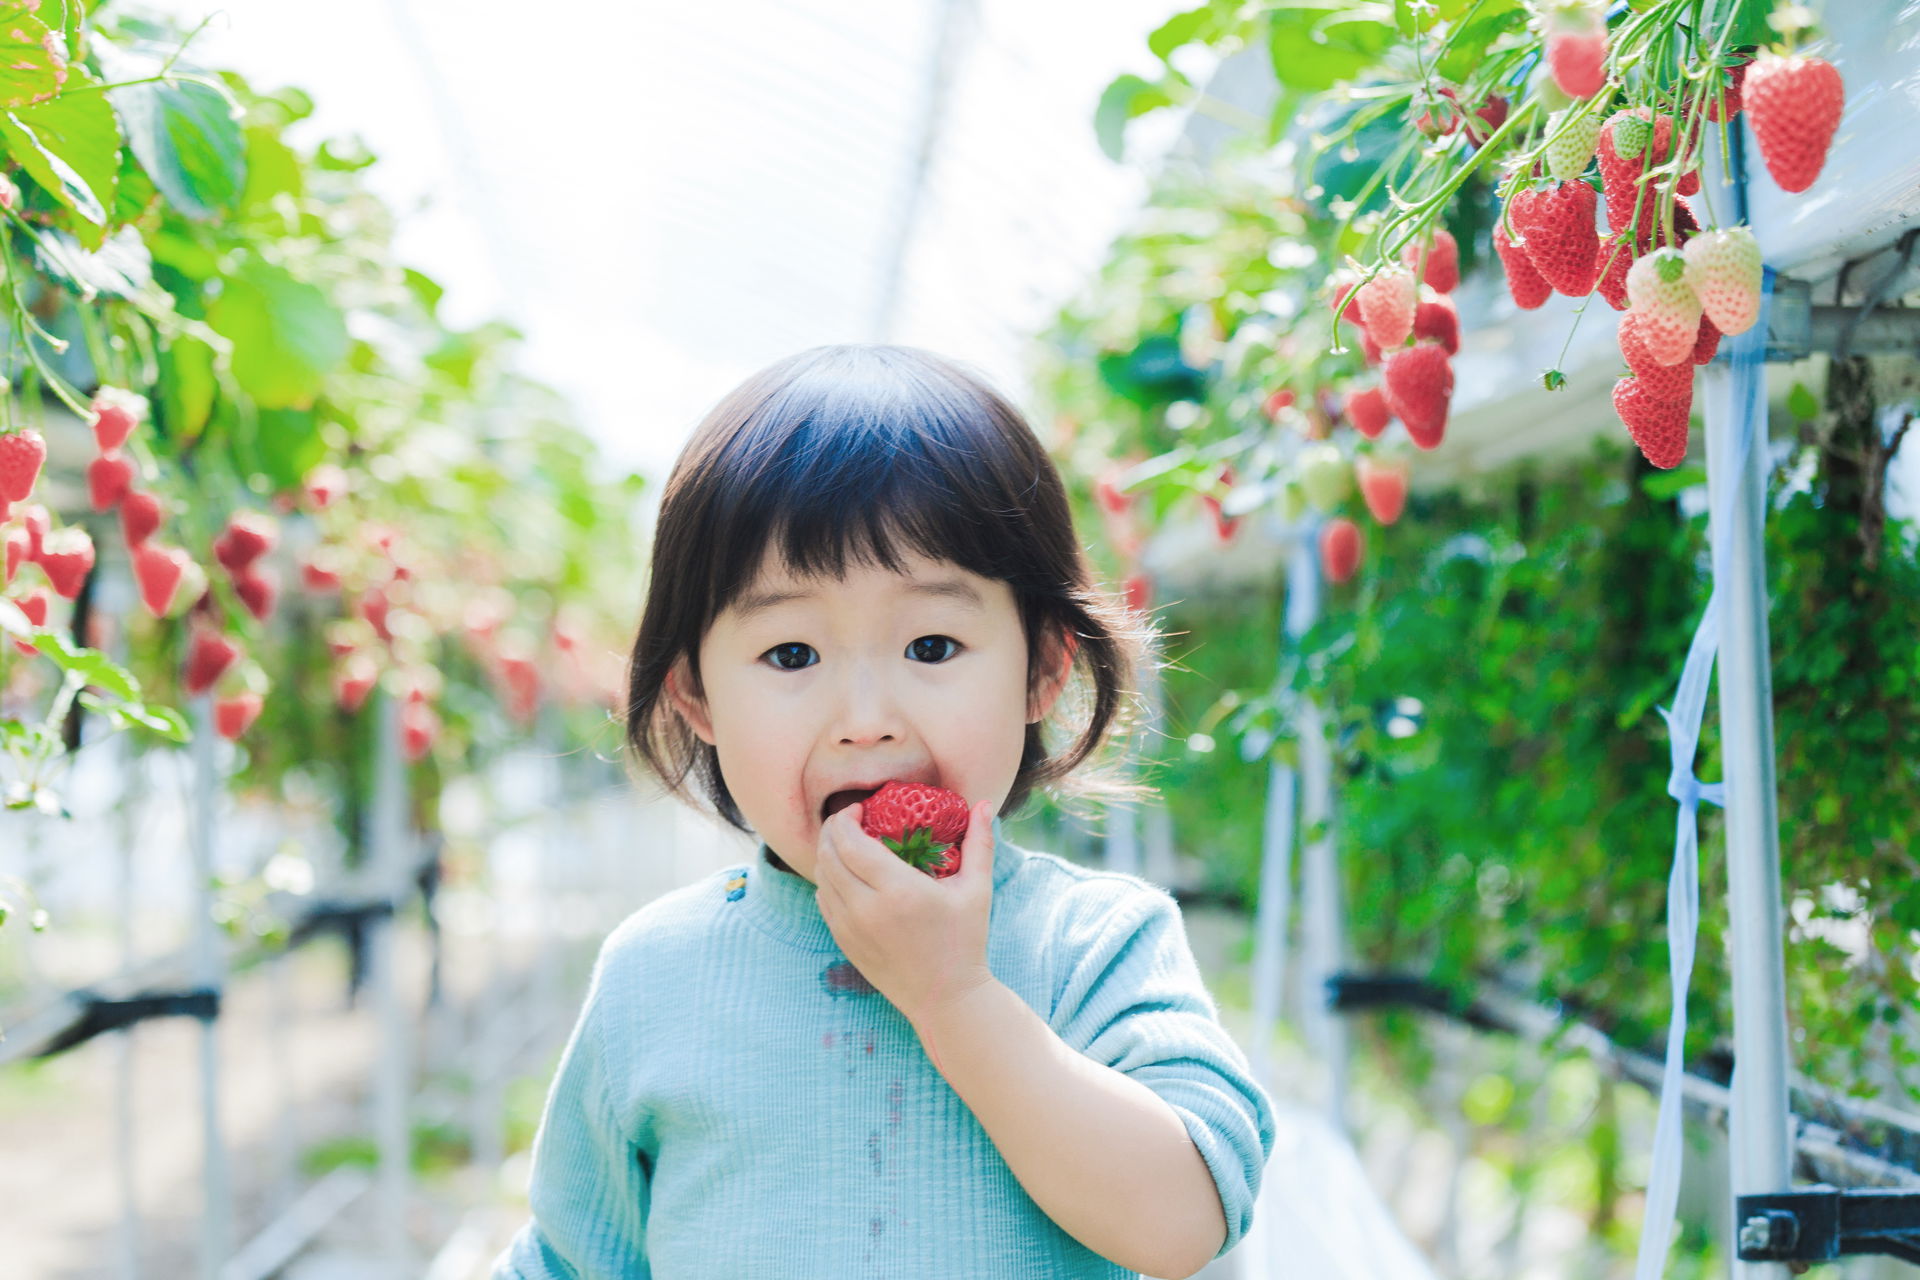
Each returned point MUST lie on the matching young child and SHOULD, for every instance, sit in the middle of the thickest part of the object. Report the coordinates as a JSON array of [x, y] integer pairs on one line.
[[825, 1062]]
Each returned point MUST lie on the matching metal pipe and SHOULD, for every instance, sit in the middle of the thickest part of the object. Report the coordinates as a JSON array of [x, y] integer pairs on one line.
[[1735, 399]]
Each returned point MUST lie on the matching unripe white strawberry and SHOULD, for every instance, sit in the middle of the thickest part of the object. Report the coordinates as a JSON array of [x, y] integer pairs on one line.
[[1666, 310], [1570, 151], [1723, 270], [1325, 476]]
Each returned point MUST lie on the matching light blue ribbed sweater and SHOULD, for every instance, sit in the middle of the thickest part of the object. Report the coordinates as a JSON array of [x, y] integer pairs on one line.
[[735, 1101]]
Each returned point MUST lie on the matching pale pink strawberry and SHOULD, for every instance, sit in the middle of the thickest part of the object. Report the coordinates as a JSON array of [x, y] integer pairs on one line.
[[36, 520], [1723, 270], [325, 483], [320, 573], [1576, 39], [1383, 485], [1668, 311], [1658, 426], [109, 479], [22, 453], [1387, 304], [1793, 106], [353, 679], [419, 726], [66, 555]]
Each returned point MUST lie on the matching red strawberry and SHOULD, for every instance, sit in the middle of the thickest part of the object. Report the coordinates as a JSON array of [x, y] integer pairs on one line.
[[1439, 322], [1442, 271], [353, 680], [1632, 142], [1736, 75], [139, 516], [116, 412], [22, 453], [1368, 410], [257, 588], [35, 519], [1419, 384], [325, 483], [109, 479], [18, 544], [1658, 426], [1479, 125], [1281, 399], [373, 607], [159, 570], [922, 823], [66, 555], [234, 714], [1384, 487], [1560, 236], [1223, 528], [1793, 106], [1657, 381], [1108, 492], [249, 536], [1139, 592], [419, 726], [1387, 304], [34, 605], [209, 654], [1339, 548], [1706, 342], [1523, 281], [1369, 349], [1611, 262]]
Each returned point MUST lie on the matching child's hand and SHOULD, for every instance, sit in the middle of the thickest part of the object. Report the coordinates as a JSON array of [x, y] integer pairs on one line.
[[921, 942]]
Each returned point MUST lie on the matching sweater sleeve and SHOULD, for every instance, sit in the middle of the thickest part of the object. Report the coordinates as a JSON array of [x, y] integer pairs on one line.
[[590, 1179], [1133, 999]]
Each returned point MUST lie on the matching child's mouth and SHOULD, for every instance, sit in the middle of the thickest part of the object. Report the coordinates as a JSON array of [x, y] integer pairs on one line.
[[841, 799]]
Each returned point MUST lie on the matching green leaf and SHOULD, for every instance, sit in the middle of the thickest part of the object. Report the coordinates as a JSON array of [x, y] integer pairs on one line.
[[288, 445], [1316, 47], [187, 393], [1668, 484], [1467, 47], [272, 169], [187, 135], [119, 267], [1181, 28], [1128, 96], [286, 335], [164, 721], [71, 147], [1802, 404], [33, 60], [90, 665]]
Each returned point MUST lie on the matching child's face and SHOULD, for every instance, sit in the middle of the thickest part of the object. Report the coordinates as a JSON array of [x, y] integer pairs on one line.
[[857, 682]]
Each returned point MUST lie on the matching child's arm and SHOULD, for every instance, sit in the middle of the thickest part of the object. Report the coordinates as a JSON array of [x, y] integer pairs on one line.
[[590, 1181], [1102, 1154], [1132, 1120]]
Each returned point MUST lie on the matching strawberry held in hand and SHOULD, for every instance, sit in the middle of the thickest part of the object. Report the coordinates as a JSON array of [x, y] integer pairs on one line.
[[924, 824]]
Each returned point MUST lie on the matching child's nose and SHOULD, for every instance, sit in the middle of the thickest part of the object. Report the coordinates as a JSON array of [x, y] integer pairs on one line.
[[868, 711]]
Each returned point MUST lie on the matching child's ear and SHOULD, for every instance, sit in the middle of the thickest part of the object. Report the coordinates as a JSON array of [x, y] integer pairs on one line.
[[692, 710], [1056, 681]]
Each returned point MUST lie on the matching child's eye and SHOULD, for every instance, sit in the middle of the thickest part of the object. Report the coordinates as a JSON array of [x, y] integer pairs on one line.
[[920, 649]]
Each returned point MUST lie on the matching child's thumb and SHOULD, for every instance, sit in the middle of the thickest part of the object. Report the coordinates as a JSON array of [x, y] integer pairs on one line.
[[976, 847]]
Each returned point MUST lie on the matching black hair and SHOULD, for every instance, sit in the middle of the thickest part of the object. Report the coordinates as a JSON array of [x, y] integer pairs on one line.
[[848, 452]]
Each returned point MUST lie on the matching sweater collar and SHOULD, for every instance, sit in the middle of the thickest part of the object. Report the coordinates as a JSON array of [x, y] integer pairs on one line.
[[785, 903]]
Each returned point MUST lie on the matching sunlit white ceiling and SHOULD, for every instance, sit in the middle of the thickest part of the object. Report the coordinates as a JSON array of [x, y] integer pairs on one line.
[[666, 198]]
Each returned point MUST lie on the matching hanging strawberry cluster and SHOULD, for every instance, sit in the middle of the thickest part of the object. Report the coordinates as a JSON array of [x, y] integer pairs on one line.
[[1682, 288]]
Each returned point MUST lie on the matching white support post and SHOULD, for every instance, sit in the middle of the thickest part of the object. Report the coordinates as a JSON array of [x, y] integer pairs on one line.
[[114, 588], [389, 855], [1323, 932], [1760, 1122], [209, 972]]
